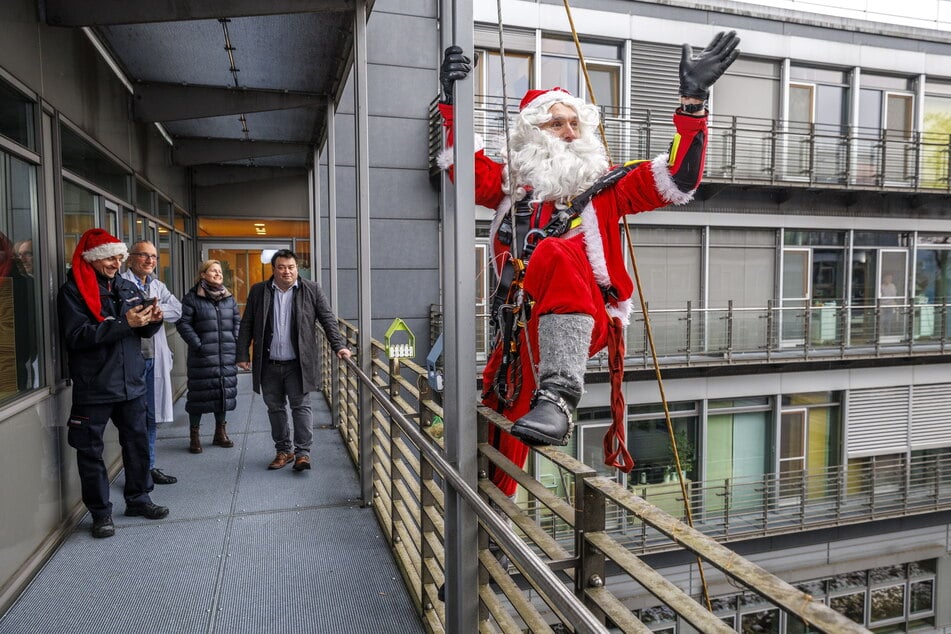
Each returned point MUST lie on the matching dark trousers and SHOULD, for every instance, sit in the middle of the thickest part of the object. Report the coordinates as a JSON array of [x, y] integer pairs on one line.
[[283, 383], [85, 429]]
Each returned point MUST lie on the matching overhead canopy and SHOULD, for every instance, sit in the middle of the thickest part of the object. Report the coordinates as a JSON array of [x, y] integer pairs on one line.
[[234, 82]]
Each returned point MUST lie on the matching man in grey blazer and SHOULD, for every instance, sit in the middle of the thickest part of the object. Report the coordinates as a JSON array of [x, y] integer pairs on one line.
[[280, 320]]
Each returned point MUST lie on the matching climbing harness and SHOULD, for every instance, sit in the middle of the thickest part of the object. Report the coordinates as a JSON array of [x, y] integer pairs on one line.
[[621, 429], [514, 313]]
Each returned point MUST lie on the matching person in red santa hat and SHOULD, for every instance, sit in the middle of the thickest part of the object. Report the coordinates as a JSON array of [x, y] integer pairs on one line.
[[103, 319], [558, 201]]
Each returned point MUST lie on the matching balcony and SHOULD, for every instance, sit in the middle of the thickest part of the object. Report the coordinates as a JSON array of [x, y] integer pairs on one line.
[[827, 331], [571, 543], [750, 151]]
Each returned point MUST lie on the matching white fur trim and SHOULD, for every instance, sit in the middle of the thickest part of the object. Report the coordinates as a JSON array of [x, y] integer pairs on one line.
[[106, 250], [621, 310], [553, 97], [445, 159], [665, 184], [594, 245]]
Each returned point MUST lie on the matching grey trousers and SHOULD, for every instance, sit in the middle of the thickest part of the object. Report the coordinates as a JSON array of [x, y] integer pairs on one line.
[[281, 383]]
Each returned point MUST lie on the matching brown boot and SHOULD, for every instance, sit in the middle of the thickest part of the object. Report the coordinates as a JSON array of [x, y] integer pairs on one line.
[[221, 436], [195, 444]]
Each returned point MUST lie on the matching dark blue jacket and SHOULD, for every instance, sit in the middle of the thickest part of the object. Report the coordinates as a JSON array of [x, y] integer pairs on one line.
[[210, 329], [105, 357]]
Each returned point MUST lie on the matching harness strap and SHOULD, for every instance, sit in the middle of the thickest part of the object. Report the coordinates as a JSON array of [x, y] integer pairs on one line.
[[615, 440]]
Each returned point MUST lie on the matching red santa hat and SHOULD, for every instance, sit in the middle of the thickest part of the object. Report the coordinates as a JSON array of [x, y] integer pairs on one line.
[[539, 98], [95, 244]]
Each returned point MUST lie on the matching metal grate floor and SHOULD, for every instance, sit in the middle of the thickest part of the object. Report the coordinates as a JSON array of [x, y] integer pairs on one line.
[[243, 550]]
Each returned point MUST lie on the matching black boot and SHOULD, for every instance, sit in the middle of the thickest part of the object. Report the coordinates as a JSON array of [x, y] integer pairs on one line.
[[549, 421], [563, 342]]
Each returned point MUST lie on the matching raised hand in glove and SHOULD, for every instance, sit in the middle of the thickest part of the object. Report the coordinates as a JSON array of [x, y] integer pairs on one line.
[[455, 66], [698, 72]]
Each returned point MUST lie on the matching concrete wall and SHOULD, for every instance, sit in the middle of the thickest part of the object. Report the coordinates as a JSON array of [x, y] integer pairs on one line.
[[405, 223]]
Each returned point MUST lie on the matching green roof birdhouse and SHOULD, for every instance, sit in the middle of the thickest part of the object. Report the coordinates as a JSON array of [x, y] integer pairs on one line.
[[398, 348]]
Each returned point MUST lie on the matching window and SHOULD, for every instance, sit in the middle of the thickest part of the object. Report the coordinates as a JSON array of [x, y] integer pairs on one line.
[[749, 91], [17, 113], [818, 118], [738, 441], [669, 263], [742, 263], [79, 214], [872, 598], [21, 327], [86, 161], [809, 445], [936, 136]]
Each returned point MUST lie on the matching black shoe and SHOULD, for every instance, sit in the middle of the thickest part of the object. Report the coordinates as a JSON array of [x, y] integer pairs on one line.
[[148, 510], [103, 527], [161, 478], [549, 421]]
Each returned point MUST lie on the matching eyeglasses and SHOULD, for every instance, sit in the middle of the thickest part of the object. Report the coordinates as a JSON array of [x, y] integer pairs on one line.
[[147, 256]]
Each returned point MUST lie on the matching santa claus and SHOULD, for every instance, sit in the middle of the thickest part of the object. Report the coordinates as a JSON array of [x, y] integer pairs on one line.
[[558, 205]]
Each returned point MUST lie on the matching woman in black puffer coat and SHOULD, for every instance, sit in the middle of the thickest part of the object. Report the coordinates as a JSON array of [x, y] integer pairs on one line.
[[209, 325]]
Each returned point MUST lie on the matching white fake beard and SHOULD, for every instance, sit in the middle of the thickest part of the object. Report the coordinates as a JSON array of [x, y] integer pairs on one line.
[[556, 170]]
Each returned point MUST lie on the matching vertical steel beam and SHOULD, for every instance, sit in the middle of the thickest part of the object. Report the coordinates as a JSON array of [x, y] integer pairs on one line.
[[458, 238], [362, 154], [332, 246], [332, 207]]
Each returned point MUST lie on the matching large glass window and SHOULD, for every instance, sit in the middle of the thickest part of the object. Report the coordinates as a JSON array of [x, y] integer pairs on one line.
[[936, 136], [83, 159], [17, 116], [742, 263], [932, 284], [818, 116], [648, 438], [738, 441], [21, 324], [669, 264], [809, 445], [79, 214]]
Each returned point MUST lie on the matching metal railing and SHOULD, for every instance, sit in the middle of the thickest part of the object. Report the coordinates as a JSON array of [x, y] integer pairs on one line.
[[692, 336], [830, 330], [569, 582], [749, 150]]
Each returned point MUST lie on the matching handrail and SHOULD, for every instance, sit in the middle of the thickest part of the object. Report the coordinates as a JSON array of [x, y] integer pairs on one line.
[[695, 337], [539, 574], [555, 535]]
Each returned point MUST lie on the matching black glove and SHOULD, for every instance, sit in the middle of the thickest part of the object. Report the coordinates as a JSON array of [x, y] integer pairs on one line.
[[455, 66], [697, 73]]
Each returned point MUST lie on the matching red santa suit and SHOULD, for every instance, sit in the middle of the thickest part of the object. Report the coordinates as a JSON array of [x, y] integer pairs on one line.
[[574, 272]]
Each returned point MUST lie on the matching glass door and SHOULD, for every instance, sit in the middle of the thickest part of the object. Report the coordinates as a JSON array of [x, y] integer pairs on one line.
[[243, 264], [792, 455], [796, 291], [892, 294]]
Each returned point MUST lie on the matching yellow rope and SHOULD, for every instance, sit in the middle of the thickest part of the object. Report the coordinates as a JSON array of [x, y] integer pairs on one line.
[[647, 321]]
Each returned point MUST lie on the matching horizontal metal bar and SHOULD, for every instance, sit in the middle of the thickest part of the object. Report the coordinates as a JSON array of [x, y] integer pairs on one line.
[[542, 577]]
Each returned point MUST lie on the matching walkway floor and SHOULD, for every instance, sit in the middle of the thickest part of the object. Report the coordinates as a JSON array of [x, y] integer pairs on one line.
[[243, 550]]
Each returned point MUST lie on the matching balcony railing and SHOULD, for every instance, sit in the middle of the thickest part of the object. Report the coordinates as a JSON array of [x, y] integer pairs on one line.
[[749, 150], [563, 543], [692, 336], [732, 509], [703, 336]]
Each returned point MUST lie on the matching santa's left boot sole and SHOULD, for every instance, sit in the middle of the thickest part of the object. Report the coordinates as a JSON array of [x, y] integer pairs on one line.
[[546, 424]]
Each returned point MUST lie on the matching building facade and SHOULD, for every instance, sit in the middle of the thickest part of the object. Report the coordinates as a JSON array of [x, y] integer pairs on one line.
[[798, 306]]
